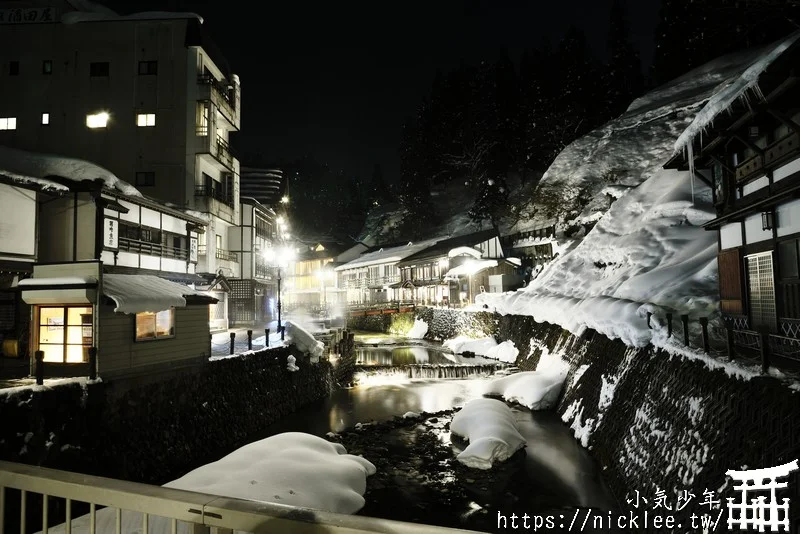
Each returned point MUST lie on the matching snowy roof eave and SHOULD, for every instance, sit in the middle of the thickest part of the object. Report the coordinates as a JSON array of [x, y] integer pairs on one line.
[[138, 293], [733, 90]]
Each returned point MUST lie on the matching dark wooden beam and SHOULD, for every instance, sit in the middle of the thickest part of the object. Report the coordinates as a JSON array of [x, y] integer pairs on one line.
[[784, 119]]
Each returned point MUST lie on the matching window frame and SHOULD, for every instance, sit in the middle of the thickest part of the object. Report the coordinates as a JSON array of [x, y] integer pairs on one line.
[[150, 68], [156, 337], [7, 126], [13, 68], [104, 126], [145, 179], [47, 67], [65, 326], [143, 120], [98, 65], [45, 120]]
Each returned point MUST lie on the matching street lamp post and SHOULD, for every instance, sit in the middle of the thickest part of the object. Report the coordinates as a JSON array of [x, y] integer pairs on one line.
[[279, 259], [279, 302]]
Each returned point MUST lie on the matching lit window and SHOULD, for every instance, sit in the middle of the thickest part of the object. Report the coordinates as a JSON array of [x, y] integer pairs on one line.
[[159, 325], [146, 119], [97, 120], [65, 333], [45, 118], [9, 123]]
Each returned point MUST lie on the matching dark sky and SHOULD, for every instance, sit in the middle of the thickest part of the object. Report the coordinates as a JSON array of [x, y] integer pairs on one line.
[[336, 80]]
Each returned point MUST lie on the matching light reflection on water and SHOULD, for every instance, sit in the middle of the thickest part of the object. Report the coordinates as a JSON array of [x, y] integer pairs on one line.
[[400, 356]]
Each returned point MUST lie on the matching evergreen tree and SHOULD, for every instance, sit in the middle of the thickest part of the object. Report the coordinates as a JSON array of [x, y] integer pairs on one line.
[[624, 80]]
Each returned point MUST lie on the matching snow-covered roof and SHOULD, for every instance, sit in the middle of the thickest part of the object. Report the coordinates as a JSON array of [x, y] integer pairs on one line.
[[65, 281], [733, 89], [468, 251], [388, 255], [469, 268], [137, 293], [42, 169]]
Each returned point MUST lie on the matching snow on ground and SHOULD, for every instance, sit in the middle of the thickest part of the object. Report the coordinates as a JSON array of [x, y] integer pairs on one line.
[[419, 329], [488, 347], [538, 390], [293, 468], [304, 340], [491, 430], [26, 166], [29, 384]]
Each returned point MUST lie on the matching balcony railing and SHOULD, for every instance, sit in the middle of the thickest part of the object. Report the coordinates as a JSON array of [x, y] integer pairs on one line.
[[214, 145], [152, 249], [220, 96], [214, 192], [227, 255]]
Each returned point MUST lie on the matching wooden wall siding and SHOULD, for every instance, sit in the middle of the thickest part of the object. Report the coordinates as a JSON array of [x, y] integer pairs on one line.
[[118, 352], [730, 281], [482, 278], [791, 299]]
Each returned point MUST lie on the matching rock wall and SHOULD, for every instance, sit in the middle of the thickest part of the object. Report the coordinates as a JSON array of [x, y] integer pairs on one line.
[[655, 421], [154, 429]]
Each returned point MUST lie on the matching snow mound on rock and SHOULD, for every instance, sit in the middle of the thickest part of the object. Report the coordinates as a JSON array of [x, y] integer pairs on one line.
[[419, 329], [488, 347], [491, 430], [534, 389]]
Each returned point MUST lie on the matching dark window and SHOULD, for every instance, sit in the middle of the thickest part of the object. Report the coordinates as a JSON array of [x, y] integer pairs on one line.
[[13, 68], [788, 259], [47, 67], [148, 67], [145, 178], [99, 68]]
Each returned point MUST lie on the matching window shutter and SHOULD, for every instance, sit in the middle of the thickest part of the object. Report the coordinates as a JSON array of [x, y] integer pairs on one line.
[[730, 282]]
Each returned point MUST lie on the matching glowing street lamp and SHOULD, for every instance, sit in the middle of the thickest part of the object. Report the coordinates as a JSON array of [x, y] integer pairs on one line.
[[281, 259]]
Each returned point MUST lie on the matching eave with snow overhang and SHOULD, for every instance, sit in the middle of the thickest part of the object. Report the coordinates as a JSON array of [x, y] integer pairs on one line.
[[745, 144], [136, 324]]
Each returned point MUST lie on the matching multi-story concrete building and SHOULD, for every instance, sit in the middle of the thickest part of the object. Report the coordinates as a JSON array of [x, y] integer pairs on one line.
[[147, 96]]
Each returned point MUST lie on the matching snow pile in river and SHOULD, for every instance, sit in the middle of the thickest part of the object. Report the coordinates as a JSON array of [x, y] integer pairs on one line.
[[293, 468], [419, 329], [491, 430], [539, 389], [304, 340], [488, 347]]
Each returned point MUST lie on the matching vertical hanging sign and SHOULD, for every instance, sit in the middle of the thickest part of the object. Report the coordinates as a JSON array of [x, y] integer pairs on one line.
[[193, 249], [111, 233]]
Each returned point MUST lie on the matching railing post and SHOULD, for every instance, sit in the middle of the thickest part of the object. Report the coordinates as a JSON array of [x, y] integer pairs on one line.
[[39, 370], [731, 344], [704, 326], [233, 339], [266, 337], [283, 332], [649, 315], [763, 338], [669, 324], [685, 320], [92, 363], [249, 340]]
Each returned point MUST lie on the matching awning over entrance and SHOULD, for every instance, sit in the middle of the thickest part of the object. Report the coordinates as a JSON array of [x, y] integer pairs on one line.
[[58, 290]]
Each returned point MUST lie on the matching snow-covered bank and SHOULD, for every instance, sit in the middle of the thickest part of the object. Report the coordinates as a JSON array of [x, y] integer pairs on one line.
[[538, 390]]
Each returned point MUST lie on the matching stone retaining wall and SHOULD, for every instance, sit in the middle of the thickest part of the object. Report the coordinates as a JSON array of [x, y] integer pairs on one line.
[[155, 429], [660, 422]]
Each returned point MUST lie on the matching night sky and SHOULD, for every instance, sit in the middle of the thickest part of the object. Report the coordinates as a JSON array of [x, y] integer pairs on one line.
[[336, 80]]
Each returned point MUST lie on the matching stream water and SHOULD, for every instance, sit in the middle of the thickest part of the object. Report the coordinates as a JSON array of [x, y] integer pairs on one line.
[[563, 473]]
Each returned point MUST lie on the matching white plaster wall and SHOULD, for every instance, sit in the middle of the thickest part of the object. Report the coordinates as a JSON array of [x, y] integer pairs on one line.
[[787, 170], [788, 218], [730, 235], [753, 231]]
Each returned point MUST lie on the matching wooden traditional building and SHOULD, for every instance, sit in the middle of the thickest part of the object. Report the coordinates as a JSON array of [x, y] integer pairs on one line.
[[452, 271], [750, 156]]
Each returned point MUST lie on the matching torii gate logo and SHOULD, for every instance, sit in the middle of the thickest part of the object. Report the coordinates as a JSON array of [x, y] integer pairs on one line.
[[757, 512]]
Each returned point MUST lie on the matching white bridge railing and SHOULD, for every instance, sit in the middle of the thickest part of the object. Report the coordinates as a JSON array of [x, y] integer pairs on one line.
[[27, 494]]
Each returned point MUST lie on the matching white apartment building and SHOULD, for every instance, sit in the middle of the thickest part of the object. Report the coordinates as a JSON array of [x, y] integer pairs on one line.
[[147, 96]]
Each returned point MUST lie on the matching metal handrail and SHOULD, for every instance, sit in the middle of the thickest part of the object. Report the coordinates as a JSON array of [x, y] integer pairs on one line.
[[198, 509]]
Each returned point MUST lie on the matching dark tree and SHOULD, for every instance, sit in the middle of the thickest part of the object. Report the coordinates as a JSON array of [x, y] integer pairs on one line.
[[624, 80]]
